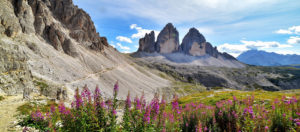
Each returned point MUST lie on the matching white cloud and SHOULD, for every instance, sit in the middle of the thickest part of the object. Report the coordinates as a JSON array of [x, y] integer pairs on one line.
[[141, 32], [286, 52], [122, 47], [237, 49], [294, 40], [290, 30], [113, 45], [282, 31], [136, 46], [233, 49], [125, 51], [188, 11], [124, 39]]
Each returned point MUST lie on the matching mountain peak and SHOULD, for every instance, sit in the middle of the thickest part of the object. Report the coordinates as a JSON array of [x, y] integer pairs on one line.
[[194, 43], [263, 58], [147, 44], [169, 25], [168, 40]]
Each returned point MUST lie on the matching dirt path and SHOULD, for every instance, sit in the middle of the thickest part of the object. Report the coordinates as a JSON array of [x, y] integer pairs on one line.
[[8, 110]]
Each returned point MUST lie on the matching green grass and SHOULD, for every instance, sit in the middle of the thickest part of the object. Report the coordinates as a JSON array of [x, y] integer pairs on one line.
[[187, 88], [211, 97], [28, 107], [42, 85], [1, 98]]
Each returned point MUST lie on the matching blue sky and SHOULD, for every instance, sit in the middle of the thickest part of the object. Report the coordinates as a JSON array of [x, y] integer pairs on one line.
[[234, 26]]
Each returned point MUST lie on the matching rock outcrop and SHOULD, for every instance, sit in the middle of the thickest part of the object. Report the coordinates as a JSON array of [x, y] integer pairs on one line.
[[15, 77], [147, 44], [168, 40], [77, 21]]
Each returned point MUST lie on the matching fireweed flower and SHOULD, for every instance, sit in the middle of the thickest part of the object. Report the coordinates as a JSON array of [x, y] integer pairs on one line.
[[266, 127], [97, 94], [175, 105], [116, 88], [86, 94], [114, 112], [276, 101], [52, 109], [61, 108], [199, 128], [147, 115], [171, 117], [102, 104], [283, 114], [128, 101], [37, 116], [97, 97], [155, 105], [78, 99], [234, 98], [230, 102], [137, 103]]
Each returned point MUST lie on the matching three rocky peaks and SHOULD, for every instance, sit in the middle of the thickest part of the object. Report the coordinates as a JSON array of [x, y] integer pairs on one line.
[[193, 43]]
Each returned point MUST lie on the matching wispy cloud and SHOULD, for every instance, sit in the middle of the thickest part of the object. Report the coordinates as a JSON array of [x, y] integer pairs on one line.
[[124, 39], [290, 30], [294, 40], [141, 32], [179, 11], [122, 47], [237, 49]]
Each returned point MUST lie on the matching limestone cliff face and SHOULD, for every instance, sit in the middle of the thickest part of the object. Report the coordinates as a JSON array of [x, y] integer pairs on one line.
[[77, 21], [168, 40], [15, 76], [194, 44], [147, 44]]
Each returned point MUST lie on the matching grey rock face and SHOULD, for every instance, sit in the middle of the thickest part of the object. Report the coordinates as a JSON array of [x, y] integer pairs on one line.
[[228, 56], [193, 39], [147, 44], [194, 43], [25, 15], [78, 22], [8, 23], [15, 76], [168, 40]]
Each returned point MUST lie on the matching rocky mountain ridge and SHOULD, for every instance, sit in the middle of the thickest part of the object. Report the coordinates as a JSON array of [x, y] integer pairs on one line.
[[194, 49], [263, 58], [193, 43]]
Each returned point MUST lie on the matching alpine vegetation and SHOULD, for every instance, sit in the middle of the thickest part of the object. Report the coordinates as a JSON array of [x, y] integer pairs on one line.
[[91, 112]]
